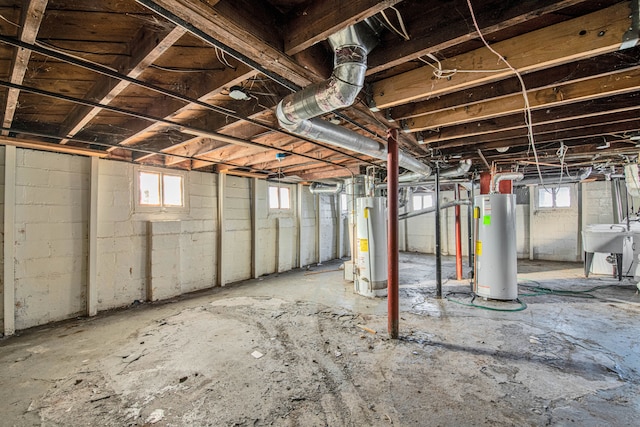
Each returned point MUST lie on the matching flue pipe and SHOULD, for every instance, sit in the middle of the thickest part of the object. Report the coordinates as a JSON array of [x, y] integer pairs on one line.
[[298, 112], [498, 177]]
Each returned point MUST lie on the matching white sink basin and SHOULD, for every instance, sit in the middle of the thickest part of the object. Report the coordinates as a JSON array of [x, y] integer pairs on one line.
[[603, 238]]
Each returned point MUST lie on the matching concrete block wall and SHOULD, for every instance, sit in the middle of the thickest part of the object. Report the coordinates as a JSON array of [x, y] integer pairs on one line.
[[51, 226], [554, 232], [237, 229], [420, 230], [597, 203], [266, 232], [308, 250], [164, 260], [52, 222], [198, 234], [328, 227], [522, 230], [122, 266], [2, 161]]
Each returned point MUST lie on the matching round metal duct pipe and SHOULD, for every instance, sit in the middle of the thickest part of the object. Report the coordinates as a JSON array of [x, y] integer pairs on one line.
[[319, 188]]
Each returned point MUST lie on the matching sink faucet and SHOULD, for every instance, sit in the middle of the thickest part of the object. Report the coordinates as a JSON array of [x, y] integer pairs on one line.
[[618, 225]]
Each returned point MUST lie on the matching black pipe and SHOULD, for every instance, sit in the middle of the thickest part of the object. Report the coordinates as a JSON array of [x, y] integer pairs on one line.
[[438, 254], [470, 226], [53, 145], [96, 68], [182, 127], [169, 16]]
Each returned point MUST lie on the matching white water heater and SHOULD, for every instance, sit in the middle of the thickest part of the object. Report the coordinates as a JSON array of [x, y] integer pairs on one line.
[[371, 234], [496, 274]]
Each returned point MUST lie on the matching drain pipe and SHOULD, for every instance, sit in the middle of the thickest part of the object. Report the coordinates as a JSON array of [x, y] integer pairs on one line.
[[317, 188], [298, 113]]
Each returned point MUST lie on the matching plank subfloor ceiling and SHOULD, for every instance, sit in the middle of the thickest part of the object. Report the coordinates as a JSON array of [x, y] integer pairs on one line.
[[548, 84]]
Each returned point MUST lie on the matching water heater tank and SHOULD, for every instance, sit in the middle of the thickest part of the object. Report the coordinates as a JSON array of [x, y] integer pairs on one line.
[[371, 235], [496, 252]]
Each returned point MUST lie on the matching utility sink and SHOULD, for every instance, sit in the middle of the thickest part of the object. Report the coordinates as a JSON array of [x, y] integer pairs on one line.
[[605, 239]]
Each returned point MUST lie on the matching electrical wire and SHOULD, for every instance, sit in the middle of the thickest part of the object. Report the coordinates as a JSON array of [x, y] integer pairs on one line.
[[184, 70], [403, 31], [527, 106], [222, 58], [9, 22], [66, 52], [441, 73]]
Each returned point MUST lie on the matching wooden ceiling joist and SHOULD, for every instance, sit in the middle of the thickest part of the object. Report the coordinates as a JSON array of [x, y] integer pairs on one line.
[[590, 35], [144, 51], [30, 20], [321, 19], [615, 83]]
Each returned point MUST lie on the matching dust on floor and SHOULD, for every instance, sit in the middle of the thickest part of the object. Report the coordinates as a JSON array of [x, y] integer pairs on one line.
[[300, 350]]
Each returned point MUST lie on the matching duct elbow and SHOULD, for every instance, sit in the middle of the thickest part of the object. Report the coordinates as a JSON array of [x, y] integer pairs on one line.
[[497, 178], [463, 167]]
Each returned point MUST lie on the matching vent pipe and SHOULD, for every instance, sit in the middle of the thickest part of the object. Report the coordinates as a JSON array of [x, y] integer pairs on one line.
[[317, 188], [495, 179], [463, 167], [298, 112]]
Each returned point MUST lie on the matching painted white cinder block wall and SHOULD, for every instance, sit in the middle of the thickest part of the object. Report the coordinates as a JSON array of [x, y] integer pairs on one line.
[[51, 226], [2, 152], [52, 220], [52, 241]]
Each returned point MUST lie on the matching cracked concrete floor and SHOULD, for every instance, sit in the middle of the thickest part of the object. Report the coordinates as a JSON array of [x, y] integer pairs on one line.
[[293, 350]]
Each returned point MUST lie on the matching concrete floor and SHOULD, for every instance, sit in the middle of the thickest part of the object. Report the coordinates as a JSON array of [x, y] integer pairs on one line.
[[292, 349]]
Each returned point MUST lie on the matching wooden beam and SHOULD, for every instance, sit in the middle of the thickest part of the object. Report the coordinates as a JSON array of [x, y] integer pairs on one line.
[[30, 20], [233, 31], [590, 35], [430, 33], [331, 172], [590, 110], [49, 146], [617, 83], [145, 49], [321, 19], [9, 245], [599, 130], [184, 114], [564, 73], [237, 172], [541, 131]]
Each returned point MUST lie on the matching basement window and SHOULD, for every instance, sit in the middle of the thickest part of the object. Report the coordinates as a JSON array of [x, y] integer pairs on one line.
[[279, 197], [160, 190], [554, 197], [422, 201]]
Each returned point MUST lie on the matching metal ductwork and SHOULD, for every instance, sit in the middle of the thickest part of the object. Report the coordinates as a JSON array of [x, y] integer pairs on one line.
[[296, 112], [554, 179], [317, 188], [463, 167], [496, 178]]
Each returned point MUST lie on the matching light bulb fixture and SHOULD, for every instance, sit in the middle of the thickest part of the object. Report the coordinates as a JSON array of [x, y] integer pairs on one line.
[[239, 93], [335, 120], [502, 149]]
